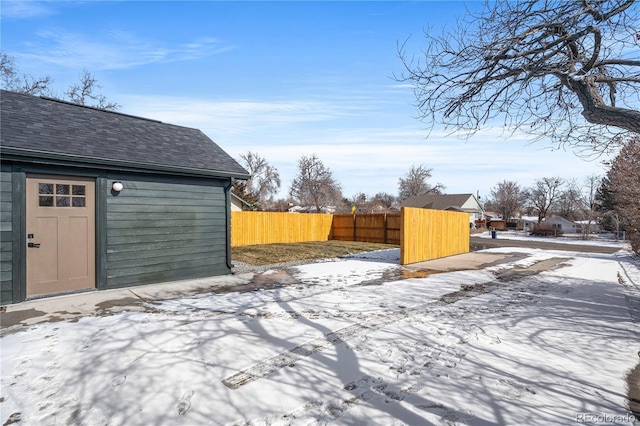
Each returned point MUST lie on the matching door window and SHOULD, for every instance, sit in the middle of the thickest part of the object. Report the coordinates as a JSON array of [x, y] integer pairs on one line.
[[61, 195]]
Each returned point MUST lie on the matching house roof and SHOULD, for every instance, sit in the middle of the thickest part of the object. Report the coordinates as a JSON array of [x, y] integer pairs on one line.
[[240, 199], [37, 127], [438, 201]]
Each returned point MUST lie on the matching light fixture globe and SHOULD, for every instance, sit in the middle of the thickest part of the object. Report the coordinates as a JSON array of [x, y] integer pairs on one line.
[[117, 186]]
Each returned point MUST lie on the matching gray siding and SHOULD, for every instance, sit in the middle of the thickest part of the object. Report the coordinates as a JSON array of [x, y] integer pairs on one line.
[[158, 232], [6, 236]]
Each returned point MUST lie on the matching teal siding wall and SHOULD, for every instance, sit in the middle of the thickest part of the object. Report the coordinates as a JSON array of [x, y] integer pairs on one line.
[[164, 231], [6, 235]]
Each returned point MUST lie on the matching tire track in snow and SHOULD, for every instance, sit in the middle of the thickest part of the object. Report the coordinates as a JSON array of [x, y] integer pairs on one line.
[[334, 338], [289, 358]]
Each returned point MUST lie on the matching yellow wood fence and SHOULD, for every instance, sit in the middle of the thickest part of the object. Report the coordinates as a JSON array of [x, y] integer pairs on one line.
[[431, 234], [251, 228], [422, 234]]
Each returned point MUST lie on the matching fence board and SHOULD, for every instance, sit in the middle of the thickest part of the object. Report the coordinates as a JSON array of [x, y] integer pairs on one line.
[[251, 228], [367, 228], [422, 234], [431, 234], [342, 227]]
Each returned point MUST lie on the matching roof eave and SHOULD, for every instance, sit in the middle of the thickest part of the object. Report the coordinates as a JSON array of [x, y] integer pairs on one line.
[[19, 153]]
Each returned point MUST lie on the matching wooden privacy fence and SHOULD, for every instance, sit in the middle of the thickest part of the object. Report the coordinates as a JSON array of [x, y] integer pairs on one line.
[[431, 234], [251, 228], [422, 234], [367, 228]]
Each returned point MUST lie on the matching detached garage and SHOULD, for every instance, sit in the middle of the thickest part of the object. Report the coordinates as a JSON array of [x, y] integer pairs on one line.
[[98, 199]]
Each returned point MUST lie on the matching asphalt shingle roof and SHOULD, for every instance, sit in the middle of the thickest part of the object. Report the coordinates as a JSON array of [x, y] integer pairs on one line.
[[436, 201], [33, 126]]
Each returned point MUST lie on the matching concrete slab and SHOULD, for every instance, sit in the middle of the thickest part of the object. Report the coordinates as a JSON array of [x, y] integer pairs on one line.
[[465, 261], [105, 302]]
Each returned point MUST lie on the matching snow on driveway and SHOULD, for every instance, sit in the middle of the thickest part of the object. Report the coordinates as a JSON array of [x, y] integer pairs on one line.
[[351, 344]]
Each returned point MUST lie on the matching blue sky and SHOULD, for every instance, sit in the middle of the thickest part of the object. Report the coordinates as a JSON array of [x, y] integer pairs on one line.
[[283, 79]]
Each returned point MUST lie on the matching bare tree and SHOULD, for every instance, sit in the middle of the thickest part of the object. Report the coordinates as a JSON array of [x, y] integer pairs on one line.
[[622, 186], [508, 198], [264, 182], [15, 81], [83, 93], [415, 183], [385, 199], [544, 194], [535, 65], [589, 205], [570, 201], [314, 185]]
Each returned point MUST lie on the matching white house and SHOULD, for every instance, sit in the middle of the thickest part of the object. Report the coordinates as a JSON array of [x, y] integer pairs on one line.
[[561, 224], [467, 203]]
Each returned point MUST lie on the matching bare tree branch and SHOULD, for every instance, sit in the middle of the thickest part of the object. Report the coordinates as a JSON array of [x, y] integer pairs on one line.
[[23, 83], [314, 186], [83, 93], [415, 183], [560, 69], [264, 182], [544, 194]]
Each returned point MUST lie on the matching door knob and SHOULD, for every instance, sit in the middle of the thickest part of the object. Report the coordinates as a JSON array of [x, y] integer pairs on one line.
[[34, 245]]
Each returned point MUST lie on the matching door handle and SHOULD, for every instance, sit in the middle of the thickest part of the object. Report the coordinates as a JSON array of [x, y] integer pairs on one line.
[[34, 245]]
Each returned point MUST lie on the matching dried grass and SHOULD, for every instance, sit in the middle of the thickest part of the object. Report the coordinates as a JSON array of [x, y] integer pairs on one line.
[[277, 253]]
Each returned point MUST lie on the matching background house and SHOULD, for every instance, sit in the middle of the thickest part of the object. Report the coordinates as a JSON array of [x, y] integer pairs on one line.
[[571, 227], [526, 223], [586, 226], [238, 204], [453, 202], [98, 199]]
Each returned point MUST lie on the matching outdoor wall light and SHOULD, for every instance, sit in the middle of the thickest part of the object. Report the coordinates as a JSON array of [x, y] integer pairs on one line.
[[117, 186]]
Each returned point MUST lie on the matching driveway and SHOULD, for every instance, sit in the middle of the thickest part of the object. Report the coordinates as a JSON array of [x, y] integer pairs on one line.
[[523, 337], [480, 243]]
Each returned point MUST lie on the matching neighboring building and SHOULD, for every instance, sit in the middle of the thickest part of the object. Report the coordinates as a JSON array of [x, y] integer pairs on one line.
[[571, 227], [454, 202], [526, 223], [499, 224], [238, 204], [560, 223], [589, 227], [98, 199], [309, 209]]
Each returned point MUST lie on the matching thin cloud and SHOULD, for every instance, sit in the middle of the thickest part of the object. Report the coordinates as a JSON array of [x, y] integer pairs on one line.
[[119, 50], [21, 9], [364, 158], [248, 118]]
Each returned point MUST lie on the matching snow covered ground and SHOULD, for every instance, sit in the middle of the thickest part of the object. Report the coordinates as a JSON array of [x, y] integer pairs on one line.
[[594, 239], [551, 338]]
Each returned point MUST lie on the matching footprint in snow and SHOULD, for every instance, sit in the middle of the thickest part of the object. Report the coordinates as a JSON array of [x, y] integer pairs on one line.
[[22, 368], [117, 381], [184, 403]]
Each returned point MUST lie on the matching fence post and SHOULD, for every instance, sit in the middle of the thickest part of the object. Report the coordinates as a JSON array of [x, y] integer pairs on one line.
[[355, 234], [386, 228]]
